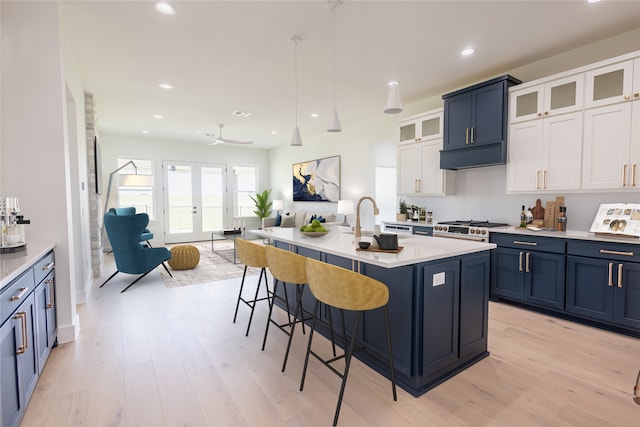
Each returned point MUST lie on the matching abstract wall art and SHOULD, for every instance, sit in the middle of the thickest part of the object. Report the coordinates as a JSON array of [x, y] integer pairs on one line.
[[317, 180]]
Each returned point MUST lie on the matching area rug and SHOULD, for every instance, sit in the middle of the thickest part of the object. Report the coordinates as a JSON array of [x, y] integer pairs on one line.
[[213, 266]]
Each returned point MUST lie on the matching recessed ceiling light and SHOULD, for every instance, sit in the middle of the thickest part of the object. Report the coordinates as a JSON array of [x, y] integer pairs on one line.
[[242, 114], [165, 86], [468, 51], [145, 131], [273, 132], [158, 116], [164, 8], [593, 1], [315, 115]]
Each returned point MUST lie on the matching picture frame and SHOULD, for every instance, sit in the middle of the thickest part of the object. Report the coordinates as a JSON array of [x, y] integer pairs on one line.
[[317, 180]]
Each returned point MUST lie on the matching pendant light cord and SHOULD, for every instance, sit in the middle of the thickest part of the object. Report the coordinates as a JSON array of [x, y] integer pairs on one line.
[[334, 55], [295, 67], [393, 40]]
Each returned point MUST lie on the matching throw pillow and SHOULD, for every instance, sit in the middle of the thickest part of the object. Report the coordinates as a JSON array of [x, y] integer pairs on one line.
[[278, 219], [288, 221]]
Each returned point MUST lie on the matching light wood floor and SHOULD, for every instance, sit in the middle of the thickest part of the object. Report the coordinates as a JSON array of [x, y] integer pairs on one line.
[[172, 357]]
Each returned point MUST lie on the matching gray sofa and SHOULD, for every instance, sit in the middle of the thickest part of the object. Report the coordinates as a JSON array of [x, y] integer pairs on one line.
[[300, 218]]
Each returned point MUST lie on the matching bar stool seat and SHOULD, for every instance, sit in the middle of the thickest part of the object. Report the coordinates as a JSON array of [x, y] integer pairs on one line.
[[346, 290], [251, 255]]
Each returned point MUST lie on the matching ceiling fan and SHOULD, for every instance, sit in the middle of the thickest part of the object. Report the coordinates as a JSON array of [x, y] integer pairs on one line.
[[220, 140]]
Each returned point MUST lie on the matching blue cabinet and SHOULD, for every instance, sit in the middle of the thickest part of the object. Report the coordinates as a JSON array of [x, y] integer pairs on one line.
[[475, 124], [529, 269], [603, 283], [421, 230]]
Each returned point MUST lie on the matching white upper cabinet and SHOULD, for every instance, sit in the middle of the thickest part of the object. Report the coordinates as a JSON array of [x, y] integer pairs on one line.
[[559, 96], [424, 127], [609, 84]]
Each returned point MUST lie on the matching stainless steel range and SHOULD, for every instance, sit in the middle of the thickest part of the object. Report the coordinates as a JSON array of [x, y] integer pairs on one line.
[[468, 230]]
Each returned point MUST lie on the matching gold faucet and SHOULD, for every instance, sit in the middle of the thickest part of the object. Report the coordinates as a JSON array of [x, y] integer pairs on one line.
[[356, 231]]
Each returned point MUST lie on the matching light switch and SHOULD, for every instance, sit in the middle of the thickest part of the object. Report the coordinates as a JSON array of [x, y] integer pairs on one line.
[[438, 279]]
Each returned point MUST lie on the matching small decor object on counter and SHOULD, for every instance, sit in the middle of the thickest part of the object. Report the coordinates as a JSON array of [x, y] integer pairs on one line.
[[529, 216], [562, 219], [364, 245], [523, 218], [402, 216], [617, 218], [429, 217]]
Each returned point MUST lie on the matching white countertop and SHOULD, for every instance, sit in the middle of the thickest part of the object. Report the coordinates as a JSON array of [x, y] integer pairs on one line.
[[13, 264], [569, 234], [416, 249]]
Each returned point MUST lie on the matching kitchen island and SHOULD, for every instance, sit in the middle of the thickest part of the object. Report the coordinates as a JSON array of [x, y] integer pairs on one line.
[[438, 301]]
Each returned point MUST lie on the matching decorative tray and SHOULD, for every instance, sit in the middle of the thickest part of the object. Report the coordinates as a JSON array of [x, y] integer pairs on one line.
[[377, 249]]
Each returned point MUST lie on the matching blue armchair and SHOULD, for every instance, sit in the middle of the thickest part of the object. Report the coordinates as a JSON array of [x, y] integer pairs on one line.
[[131, 210], [132, 257]]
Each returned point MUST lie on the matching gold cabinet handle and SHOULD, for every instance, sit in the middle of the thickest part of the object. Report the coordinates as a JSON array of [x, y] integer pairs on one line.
[[520, 242], [49, 266], [610, 274], [419, 186], [620, 275], [546, 113], [520, 262], [633, 175], [466, 136], [537, 180], [22, 315], [544, 179], [528, 260], [627, 97], [20, 295], [606, 251], [636, 95], [539, 114], [51, 293], [472, 135], [624, 175]]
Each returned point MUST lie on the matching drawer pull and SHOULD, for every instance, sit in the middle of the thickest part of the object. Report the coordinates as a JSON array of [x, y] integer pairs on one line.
[[527, 268], [610, 274], [606, 251], [620, 275], [49, 266], [518, 242], [426, 233], [22, 315], [20, 295]]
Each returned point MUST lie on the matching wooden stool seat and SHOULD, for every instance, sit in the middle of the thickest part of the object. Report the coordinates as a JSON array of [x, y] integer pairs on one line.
[[184, 257]]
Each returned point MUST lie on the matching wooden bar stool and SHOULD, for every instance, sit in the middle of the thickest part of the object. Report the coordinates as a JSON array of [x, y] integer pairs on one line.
[[286, 267], [251, 255], [346, 290]]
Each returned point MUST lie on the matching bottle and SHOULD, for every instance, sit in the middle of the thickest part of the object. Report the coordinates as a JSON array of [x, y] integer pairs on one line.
[[523, 218], [529, 216], [562, 219]]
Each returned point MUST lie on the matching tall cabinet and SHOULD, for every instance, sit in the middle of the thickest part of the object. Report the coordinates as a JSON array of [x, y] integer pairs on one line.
[[419, 148]]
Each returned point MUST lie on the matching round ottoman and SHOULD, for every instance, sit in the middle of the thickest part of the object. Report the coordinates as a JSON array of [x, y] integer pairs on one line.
[[184, 257]]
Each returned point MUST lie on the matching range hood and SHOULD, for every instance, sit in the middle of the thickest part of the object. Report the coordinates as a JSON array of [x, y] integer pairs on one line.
[[474, 156]]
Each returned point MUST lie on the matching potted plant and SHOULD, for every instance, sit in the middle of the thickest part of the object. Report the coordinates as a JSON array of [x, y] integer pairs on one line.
[[263, 205], [402, 216]]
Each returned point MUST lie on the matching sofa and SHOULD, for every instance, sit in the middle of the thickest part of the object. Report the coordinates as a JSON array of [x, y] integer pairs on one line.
[[297, 219]]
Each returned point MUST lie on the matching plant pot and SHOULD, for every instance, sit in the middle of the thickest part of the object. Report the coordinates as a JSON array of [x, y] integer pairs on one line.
[[401, 217]]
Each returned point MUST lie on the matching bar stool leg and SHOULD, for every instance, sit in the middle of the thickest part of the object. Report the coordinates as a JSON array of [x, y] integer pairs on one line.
[[255, 298], [348, 355], [306, 357], [240, 294], [300, 289]]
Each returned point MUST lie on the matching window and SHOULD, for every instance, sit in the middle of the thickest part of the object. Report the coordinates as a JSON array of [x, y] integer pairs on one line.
[[136, 189], [245, 179]]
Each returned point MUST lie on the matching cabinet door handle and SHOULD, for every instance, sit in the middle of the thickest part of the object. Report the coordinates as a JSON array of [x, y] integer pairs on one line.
[[620, 275], [528, 259], [626, 97], [544, 179], [518, 242], [49, 303], [466, 136], [610, 274], [22, 315], [520, 262], [624, 175], [472, 135], [419, 186], [20, 295], [633, 175], [537, 180], [606, 251], [49, 266]]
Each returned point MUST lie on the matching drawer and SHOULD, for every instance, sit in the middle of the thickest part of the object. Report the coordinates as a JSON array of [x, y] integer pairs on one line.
[[43, 267], [534, 243], [423, 231], [605, 250], [15, 294]]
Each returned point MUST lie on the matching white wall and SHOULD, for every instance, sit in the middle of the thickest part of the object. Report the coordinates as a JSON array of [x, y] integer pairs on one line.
[[148, 148], [480, 193]]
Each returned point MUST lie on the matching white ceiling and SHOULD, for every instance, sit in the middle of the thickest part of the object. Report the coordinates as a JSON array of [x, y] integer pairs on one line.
[[222, 56]]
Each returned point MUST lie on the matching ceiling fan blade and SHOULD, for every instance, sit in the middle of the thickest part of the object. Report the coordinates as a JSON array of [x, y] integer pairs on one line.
[[232, 141]]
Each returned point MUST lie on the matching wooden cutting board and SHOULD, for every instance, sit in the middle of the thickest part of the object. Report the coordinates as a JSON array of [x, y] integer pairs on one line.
[[538, 210], [377, 249]]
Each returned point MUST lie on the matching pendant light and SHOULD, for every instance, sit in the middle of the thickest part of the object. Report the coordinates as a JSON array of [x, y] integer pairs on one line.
[[334, 121], [296, 140], [393, 105]]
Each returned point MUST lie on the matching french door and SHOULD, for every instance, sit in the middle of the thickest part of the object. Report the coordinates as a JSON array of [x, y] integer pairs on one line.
[[194, 200]]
